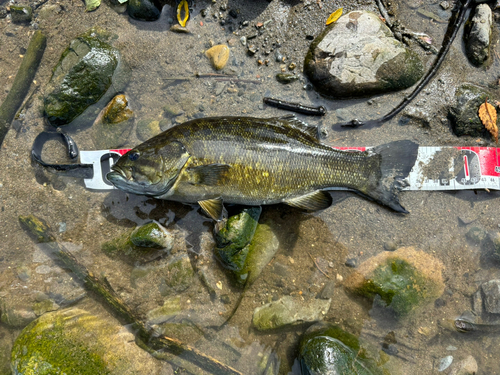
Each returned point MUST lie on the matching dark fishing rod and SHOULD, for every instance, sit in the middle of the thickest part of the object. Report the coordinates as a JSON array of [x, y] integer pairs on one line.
[[449, 37]]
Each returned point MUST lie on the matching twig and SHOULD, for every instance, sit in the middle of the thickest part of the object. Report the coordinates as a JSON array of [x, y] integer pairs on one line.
[[41, 232], [316, 264]]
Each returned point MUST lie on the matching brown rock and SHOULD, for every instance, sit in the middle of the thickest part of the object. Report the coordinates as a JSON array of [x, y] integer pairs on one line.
[[218, 56]]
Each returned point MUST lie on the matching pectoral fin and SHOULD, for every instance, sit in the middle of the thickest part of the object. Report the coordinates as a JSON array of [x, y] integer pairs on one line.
[[213, 208], [210, 174], [317, 200]]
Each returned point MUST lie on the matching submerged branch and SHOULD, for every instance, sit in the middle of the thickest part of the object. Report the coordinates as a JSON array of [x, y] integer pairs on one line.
[[22, 82], [155, 345]]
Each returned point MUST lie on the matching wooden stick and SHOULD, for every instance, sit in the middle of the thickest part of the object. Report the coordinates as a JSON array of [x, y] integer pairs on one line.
[[22, 82], [41, 232]]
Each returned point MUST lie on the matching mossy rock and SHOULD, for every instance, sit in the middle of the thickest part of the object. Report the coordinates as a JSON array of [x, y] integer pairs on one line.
[[463, 114], [89, 73], [179, 275], [325, 349], [74, 341], [232, 242], [141, 244], [404, 279]]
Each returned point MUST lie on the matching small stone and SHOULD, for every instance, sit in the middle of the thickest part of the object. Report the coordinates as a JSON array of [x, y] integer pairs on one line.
[[390, 246], [351, 262], [225, 299], [292, 66], [252, 50], [218, 56], [233, 13], [491, 292], [476, 235], [444, 4], [179, 29], [286, 78], [23, 273], [444, 363], [243, 40], [328, 290]]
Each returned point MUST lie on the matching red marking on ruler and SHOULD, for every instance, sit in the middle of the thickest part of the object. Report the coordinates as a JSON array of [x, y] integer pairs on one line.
[[466, 166]]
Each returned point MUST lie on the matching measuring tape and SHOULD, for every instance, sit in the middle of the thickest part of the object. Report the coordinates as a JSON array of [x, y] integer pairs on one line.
[[436, 168]]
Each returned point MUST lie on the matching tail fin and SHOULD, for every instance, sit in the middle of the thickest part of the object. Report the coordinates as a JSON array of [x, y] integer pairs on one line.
[[397, 159]]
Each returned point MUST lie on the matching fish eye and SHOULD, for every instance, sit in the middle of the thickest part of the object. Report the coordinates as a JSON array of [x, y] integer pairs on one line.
[[133, 156]]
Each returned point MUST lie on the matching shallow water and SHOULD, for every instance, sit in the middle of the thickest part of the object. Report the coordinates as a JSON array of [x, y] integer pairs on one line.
[[352, 228]]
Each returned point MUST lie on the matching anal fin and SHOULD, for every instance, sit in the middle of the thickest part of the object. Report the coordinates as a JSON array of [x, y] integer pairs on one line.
[[213, 208], [317, 200]]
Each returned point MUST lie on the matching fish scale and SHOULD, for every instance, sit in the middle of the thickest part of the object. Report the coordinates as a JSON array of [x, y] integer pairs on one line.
[[252, 161]]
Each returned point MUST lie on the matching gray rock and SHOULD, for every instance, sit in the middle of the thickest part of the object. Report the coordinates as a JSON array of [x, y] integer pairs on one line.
[[479, 37], [464, 112], [289, 310], [491, 292], [328, 290], [476, 235], [14, 314], [144, 10], [357, 56], [467, 366], [494, 238]]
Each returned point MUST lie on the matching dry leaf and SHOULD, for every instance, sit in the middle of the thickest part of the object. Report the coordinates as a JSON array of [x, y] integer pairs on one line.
[[488, 116], [334, 16]]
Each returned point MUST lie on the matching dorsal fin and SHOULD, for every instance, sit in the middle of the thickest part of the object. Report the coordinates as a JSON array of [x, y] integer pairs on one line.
[[294, 122]]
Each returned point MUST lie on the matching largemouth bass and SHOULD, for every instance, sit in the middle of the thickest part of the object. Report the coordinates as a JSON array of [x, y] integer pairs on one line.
[[252, 161]]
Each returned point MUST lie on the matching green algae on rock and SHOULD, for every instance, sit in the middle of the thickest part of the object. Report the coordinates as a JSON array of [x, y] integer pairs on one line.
[[404, 279], [464, 112], [89, 73], [325, 349], [358, 56], [143, 243], [232, 241], [74, 341], [245, 247], [288, 311]]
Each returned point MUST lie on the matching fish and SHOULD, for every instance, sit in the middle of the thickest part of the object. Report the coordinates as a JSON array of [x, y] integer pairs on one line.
[[259, 161]]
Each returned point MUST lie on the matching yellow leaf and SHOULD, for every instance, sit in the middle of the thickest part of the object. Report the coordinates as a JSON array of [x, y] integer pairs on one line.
[[334, 16], [488, 115], [182, 21]]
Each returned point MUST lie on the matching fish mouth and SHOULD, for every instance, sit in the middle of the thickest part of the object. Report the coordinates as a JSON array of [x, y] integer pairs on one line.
[[118, 175]]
